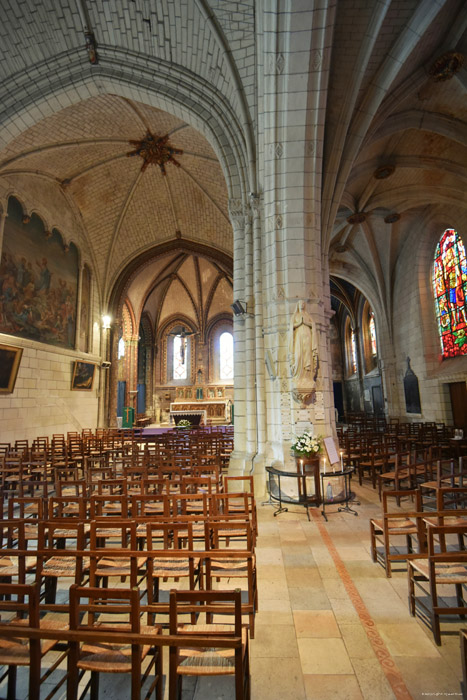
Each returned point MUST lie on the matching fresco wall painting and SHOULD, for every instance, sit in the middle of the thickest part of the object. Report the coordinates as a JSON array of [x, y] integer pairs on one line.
[[38, 281]]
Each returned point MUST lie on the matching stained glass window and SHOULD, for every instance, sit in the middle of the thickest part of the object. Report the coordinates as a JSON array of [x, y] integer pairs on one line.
[[450, 288], [372, 328], [226, 356], [179, 357]]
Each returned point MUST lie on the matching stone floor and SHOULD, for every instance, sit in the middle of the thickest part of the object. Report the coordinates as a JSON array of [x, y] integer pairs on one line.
[[330, 625]]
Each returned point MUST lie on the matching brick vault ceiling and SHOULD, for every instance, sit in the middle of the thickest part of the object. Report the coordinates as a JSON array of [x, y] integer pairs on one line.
[[82, 150]]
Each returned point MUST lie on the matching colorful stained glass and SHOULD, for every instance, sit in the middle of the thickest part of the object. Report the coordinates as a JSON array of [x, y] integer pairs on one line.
[[450, 288]]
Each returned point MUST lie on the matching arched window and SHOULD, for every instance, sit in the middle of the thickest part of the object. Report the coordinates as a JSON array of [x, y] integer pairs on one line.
[[369, 344], [121, 348], [179, 357], [372, 329], [226, 364], [450, 288], [353, 349], [350, 348]]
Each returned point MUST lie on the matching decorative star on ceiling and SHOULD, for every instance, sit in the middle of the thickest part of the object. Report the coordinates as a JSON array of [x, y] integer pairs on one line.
[[156, 150]]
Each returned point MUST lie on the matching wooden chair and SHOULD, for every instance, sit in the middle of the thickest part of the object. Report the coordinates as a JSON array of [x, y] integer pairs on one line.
[[20, 651], [118, 537], [397, 476], [111, 505], [375, 462], [216, 649], [439, 568], [15, 561], [222, 562], [53, 564], [165, 566], [104, 654], [242, 503], [397, 524]]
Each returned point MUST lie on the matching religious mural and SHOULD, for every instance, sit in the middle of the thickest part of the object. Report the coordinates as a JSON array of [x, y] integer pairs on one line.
[[38, 281]]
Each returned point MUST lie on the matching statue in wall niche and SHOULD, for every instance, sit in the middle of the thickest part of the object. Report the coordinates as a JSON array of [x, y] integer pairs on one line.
[[303, 355], [157, 408]]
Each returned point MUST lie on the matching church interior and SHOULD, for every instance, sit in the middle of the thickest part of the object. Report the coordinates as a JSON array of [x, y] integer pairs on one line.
[[233, 317]]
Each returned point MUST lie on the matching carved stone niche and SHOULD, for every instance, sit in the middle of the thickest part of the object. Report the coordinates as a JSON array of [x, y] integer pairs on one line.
[[411, 391]]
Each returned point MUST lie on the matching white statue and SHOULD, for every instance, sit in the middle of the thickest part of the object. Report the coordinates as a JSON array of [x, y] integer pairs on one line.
[[303, 355]]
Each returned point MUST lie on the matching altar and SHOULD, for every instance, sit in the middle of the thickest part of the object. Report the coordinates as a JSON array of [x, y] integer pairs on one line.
[[203, 412]]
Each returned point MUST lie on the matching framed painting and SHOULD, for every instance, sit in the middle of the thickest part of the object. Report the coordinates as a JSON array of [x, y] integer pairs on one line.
[[83, 376], [10, 358]]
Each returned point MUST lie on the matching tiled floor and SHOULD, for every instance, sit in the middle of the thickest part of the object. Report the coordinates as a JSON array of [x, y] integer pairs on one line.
[[319, 594], [330, 625]]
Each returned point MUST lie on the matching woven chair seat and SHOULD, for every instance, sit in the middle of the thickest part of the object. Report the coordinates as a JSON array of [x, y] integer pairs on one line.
[[62, 566], [112, 658], [15, 650], [173, 568], [445, 572], [404, 526], [197, 531], [229, 568], [448, 520], [32, 509], [9, 567], [116, 567], [30, 531], [103, 532], [113, 509], [207, 661], [401, 474], [70, 534]]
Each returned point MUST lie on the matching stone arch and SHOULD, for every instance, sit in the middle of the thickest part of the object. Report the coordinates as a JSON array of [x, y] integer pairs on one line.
[[124, 277]]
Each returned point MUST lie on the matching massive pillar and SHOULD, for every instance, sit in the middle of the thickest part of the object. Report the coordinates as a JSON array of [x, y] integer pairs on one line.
[[295, 265], [280, 264]]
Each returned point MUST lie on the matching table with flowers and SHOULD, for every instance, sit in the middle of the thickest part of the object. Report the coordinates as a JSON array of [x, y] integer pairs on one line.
[[306, 450]]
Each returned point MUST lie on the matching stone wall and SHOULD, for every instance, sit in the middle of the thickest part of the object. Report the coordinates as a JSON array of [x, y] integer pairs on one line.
[[42, 402]]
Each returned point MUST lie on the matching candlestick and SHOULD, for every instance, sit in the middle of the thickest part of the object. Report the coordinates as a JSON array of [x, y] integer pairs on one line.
[[324, 464], [342, 460]]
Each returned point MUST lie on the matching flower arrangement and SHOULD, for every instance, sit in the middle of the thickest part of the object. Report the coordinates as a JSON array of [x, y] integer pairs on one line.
[[306, 445], [184, 423]]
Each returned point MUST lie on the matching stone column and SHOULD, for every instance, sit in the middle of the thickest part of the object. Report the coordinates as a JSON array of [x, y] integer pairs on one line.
[[294, 260], [149, 379], [244, 348]]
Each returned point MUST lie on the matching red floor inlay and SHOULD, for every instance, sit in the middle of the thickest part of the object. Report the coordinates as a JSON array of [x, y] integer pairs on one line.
[[390, 669]]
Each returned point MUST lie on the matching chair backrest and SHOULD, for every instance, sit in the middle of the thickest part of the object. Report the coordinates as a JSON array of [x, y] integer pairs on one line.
[[205, 602], [104, 601], [12, 598], [388, 496]]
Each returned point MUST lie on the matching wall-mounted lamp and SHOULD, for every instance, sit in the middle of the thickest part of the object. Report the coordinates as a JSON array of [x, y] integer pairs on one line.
[[106, 322], [239, 307]]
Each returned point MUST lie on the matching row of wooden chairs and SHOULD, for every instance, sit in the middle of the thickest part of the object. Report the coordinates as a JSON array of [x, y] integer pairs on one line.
[[104, 633], [434, 549]]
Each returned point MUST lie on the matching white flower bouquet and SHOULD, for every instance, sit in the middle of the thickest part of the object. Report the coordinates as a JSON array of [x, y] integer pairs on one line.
[[183, 423], [306, 445]]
